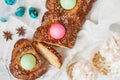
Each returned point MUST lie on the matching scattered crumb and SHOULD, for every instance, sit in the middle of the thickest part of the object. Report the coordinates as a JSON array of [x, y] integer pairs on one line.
[[100, 63]]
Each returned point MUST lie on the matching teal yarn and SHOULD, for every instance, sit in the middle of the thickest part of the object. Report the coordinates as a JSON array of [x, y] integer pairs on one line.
[[20, 11], [33, 12], [10, 2]]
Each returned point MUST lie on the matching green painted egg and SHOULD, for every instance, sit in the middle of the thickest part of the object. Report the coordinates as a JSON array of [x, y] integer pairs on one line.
[[68, 4], [28, 61]]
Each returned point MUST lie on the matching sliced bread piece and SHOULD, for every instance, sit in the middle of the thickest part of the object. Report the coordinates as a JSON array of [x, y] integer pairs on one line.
[[49, 53], [22, 61]]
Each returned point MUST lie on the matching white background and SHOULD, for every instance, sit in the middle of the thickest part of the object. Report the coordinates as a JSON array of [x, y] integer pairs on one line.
[[104, 14]]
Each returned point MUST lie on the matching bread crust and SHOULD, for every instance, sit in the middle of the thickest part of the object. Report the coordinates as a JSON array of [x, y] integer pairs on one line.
[[69, 70], [49, 53], [72, 20], [22, 47]]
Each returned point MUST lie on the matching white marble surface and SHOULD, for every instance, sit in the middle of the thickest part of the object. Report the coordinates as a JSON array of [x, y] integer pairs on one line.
[[105, 13]]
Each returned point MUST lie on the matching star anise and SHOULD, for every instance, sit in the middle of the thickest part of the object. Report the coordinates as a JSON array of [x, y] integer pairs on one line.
[[20, 31], [7, 35]]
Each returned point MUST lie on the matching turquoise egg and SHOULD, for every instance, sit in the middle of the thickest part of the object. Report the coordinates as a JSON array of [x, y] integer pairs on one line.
[[10, 2], [33, 12], [20, 11], [3, 20]]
